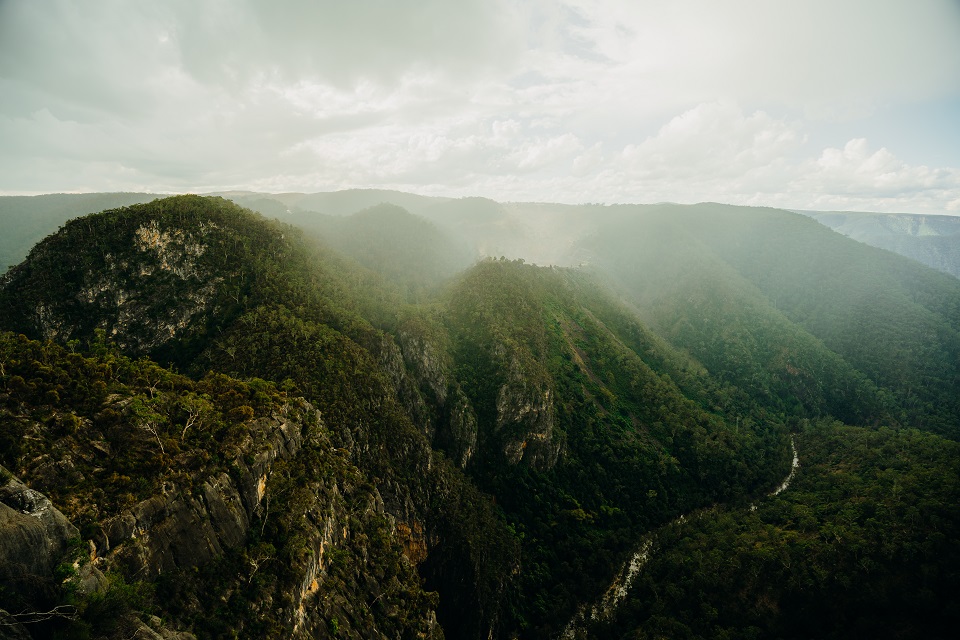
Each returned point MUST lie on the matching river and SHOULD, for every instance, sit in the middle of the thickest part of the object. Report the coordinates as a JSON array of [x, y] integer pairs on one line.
[[606, 605]]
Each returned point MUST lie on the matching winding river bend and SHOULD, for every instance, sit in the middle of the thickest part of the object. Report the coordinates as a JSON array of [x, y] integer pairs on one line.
[[606, 605]]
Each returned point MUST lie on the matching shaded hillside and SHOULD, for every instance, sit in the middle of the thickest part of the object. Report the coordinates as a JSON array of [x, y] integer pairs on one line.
[[512, 372], [218, 503], [189, 277], [862, 545], [493, 229], [410, 252], [931, 240], [537, 232], [585, 441], [337, 203], [900, 349]]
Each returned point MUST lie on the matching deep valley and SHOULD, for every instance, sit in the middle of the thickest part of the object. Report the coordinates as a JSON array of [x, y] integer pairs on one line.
[[372, 414]]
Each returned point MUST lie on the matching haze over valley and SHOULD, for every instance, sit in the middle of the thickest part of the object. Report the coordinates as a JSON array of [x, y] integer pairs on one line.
[[585, 319]]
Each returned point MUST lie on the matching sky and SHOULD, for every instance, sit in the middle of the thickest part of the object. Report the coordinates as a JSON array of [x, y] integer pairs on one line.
[[851, 105]]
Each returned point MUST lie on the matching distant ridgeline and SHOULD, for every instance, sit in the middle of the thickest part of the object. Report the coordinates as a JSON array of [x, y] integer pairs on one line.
[[517, 230], [26, 220], [377, 417], [932, 240]]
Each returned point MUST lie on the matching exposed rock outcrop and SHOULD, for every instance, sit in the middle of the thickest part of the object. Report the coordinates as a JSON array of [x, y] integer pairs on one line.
[[34, 535], [10, 628], [525, 415], [454, 423], [321, 530], [185, 528], [152, 277]]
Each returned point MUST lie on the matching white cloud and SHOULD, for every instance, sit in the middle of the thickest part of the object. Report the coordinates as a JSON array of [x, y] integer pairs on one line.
[[713, 139], [578, 100], [856, 175]]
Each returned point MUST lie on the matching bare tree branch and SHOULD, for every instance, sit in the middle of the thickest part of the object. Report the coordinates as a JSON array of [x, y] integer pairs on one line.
[[67, 611]]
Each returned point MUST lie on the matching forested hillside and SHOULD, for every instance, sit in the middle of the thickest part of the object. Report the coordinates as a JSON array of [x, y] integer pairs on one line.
[[366, 430], [185, 279], [414, 255], [863, 545], [779, 306], [539, 232], [202, 500]]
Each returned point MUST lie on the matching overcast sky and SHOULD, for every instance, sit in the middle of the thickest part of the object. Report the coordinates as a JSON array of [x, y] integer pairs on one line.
[[802, 103]]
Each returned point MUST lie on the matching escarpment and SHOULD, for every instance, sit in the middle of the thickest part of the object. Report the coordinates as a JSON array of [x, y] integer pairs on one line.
[[169, 481], [206, 286], [34, 535], [330, 462], [249, 432], [196, 518], [453, 421]]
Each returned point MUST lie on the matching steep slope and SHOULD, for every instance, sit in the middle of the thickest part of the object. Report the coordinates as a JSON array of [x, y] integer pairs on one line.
[[545, 234], [221, 504], [204, 284], [581, 440], [336, 203], [862, 545], [894, 320], [410, 252], [778, 305], [514, 373], [414, 255], [569, 428]]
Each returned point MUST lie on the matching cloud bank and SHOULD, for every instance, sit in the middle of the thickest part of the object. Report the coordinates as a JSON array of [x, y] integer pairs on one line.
[[574, 101]]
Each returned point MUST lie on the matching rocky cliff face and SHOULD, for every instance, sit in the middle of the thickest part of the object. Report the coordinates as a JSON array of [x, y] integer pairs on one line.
[[41, 553], [193, 521], [151, 283], [320, 521], [525, 415], [34, 539], [34, 535], [256, 508], [453, 420]]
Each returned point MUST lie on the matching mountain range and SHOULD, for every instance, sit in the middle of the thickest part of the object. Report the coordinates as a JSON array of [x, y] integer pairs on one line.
[[371, 414], [520, 230]]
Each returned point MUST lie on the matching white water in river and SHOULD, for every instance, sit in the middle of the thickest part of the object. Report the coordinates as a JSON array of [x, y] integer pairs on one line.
[[786, 481], [793, 469], [607, 605]]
